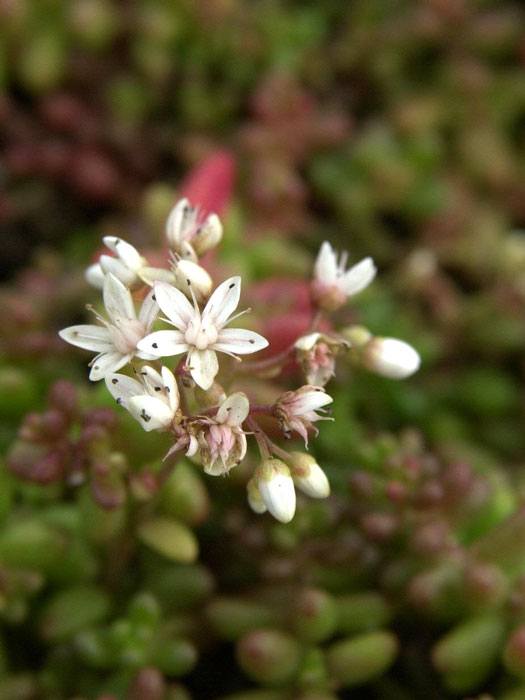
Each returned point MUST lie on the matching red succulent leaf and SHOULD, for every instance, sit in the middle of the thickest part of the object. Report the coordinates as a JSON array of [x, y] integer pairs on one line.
[[210, 184]]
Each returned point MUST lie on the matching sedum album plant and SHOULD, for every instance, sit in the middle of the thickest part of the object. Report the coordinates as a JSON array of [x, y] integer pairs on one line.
[[173, 337]]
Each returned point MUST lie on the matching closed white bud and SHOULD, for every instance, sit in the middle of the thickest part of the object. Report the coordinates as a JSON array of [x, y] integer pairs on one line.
[[391, 358], [191, 276], [255, 500], [208, 235], [308, 475], [276, 488], [95, 276]]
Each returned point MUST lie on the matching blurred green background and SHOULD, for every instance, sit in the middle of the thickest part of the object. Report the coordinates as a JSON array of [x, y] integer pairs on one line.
[[393, 129]]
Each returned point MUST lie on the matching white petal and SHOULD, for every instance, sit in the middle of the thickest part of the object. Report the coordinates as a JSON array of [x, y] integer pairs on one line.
[[146, 355], [149, 310], [193, 446], [307, 342], [89, 337], [123, 388], [126, 252], [310, 401], [176, 220], [239, 341], [358, 277], [203, 366], [325, 268], [107, 363], [151, 413], [152, 380], [163, 343], [223, 302], [95, 275], [234, 410], [150, 275], [171, 388], [117, 300], [174, 304], [117, 268]]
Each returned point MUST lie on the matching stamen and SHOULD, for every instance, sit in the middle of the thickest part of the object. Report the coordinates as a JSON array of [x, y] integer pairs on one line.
[[100, 318], [238, 315]]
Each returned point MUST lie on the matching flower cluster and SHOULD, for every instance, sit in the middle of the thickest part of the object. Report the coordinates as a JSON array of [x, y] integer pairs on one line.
[[186, 400]]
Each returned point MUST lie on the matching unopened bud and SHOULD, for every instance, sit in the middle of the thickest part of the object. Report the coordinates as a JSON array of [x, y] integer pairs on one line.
[[357, 336], [208, 235], [390, 358], [308, 475], [255, 500], [189, 276], [276, 488]]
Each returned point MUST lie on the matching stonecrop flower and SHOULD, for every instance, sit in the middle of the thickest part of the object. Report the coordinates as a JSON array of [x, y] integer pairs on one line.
[[189, 233], [333, 284], [201, 335], [115, 340], [129, 266], [222, 442], [272, 487], [316, 353], [153, 401], [296, 410]]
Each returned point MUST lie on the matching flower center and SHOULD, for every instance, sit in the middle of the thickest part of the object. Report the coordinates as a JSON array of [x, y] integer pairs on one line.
[[200, 335], [126, 335]]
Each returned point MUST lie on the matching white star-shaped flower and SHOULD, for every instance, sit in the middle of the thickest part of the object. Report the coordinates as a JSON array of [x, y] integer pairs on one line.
[[201, 335], [129, 266], [153, 401], [116, 340], [333, 283]]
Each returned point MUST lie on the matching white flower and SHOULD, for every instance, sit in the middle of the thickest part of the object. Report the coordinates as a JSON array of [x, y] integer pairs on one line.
[[115, 341], [390, 357], [276, 488], [128, 266], [189, 233], [296, 410], [308, 475], [333, 284], [201, 335], [222, 442], [153, 401]]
